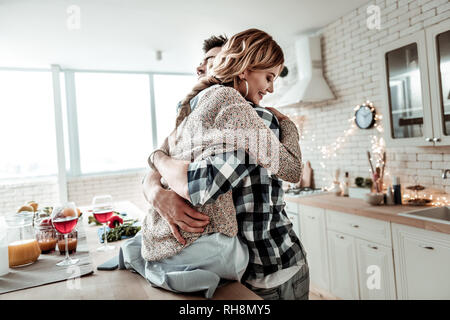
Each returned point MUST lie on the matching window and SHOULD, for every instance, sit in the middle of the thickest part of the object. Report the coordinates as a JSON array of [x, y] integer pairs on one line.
[[169, 90], [114, 123], [27, 124]]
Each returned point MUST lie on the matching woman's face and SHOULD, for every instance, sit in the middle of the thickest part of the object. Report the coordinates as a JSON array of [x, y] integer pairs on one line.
[[259, 83]]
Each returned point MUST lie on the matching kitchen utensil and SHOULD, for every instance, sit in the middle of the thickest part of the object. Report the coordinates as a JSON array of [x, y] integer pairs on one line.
[[307, 176], [370, 163], [23, 248], [4, 261], [374, 199]]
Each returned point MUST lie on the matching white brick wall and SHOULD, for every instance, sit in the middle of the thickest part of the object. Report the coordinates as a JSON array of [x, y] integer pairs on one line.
[[125, 186], [351, 67], [14, 195]]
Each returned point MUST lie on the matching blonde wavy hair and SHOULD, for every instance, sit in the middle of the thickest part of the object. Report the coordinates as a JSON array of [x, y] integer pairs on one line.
[[250, 50]]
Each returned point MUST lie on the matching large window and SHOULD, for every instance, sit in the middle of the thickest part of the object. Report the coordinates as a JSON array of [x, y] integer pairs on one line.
[[107, 120], [114, 123], [27, 125], [169, 90]]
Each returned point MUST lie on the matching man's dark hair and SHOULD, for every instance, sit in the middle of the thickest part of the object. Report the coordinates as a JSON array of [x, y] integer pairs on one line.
[[213, 42]]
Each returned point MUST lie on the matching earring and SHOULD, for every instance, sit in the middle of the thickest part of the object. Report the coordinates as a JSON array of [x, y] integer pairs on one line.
[[246, 88]]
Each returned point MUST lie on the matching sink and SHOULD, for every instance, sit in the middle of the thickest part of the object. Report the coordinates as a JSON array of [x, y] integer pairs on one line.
[[436, 214]]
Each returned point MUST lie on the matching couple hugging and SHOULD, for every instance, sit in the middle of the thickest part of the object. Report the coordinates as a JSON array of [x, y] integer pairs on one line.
[[215, 184]]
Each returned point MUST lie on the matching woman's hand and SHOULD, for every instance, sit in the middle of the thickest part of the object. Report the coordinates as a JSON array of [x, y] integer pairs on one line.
[[174, 173], [277, 113]]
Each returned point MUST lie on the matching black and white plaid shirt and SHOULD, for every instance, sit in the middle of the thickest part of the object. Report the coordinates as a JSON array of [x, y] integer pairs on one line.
[[259, 201]]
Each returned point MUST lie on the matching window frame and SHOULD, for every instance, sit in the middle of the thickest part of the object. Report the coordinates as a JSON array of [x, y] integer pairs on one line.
[[75, 165], [74, 170]]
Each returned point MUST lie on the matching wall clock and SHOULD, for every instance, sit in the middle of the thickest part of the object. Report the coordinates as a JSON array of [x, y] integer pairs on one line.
[[365, 115]]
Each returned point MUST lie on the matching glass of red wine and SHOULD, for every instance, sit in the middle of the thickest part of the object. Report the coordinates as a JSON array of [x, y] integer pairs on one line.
[[64, 219], [103, 209]]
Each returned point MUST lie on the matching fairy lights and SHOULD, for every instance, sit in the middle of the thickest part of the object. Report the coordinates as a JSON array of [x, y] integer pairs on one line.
[[330, 151]]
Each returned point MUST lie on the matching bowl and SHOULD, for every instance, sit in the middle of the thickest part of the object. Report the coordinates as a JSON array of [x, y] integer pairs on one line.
[[374, 199]]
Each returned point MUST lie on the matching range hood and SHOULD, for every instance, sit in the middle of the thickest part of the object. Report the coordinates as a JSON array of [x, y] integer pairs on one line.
[[310, 85]]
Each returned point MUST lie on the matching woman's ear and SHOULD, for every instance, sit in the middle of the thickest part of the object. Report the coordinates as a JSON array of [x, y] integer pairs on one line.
[[243, 75]]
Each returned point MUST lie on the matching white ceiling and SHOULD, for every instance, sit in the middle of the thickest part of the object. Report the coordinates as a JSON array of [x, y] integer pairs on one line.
[[124, 35]]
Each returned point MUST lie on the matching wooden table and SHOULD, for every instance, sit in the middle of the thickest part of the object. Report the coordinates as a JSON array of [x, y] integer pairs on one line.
[[118, 284]]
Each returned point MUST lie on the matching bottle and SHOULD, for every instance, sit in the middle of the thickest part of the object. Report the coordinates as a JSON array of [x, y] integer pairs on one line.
[[397, 191], [389, 196], [346, 185], [4, 260]]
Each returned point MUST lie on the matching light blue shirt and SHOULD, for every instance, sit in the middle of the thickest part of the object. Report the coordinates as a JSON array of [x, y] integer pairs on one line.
[[198, 267]]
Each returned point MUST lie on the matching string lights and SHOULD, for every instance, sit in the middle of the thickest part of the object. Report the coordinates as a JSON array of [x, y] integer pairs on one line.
[[378, 146]]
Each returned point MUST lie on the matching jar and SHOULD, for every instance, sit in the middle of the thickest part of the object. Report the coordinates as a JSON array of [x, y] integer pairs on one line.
[[4, 260], [72, 241], [45, 234], [23, 248]]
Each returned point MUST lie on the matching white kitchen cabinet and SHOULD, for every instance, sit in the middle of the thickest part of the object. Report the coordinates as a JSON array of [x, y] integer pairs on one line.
[[416, 85], [313, 230], [343, 266], [295, 223], [407, 113], [422, 263], [291, 209], [438, 44], [360, 257], [375, 271], [361, 227]]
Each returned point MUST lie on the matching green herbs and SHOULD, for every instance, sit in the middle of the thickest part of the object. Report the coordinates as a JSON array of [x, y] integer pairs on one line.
[[126, 229], [91, 219], [363, 183]]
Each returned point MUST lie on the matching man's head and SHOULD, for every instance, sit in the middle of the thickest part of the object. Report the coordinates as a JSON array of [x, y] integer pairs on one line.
[[211, 47]]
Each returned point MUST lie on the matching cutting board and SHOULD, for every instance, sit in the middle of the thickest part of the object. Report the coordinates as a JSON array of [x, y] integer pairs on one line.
[[307, 176]]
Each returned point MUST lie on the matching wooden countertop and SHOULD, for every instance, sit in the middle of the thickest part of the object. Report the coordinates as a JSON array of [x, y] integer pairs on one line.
[[361, 208], [119, 284]]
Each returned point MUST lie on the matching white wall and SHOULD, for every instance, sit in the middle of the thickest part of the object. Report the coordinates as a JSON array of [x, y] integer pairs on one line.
[[81, 190], [352, 68]]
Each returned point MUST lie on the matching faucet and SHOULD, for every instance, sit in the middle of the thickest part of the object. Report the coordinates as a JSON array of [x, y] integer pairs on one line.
[[444, 173]]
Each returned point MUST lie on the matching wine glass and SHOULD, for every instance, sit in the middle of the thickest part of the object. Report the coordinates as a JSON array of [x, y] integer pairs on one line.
[[64, 218], [103, 209]]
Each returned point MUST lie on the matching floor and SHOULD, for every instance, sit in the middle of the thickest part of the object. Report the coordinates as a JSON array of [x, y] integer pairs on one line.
[[313, 296]]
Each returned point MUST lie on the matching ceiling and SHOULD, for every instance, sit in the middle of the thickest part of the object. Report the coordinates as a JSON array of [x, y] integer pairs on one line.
[[125, 35]]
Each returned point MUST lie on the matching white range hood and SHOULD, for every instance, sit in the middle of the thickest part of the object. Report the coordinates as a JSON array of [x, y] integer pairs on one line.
[[310, 85]]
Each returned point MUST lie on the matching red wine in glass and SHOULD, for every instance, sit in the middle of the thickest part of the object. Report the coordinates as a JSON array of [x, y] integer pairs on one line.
[[103, 209], [103, 216], [64, 218], [65, 225]]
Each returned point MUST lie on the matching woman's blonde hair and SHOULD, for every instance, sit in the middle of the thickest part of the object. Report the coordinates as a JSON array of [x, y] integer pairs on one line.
[[251, 50]]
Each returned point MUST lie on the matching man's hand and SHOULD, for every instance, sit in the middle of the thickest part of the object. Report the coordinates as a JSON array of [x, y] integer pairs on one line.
[[178, 213]]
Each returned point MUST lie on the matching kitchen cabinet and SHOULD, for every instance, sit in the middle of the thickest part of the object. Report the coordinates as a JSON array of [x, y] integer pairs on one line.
[[360, 257], [314, 240], [343, 266], [438, 44], [422, 263], [291, 209], [375, 271], [415, 84]]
